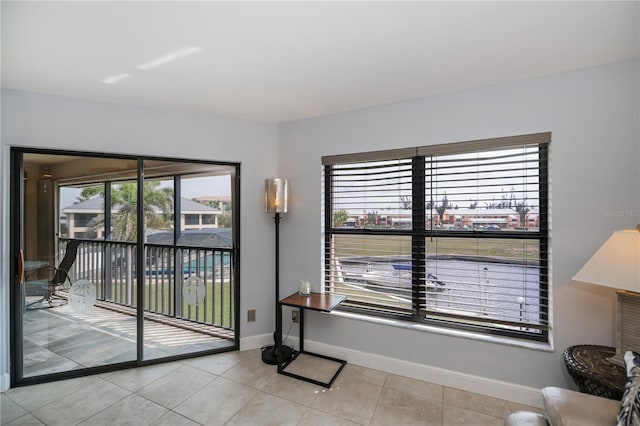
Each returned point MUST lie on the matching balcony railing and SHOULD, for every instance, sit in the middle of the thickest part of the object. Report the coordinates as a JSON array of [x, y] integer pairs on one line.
[[111, 266]]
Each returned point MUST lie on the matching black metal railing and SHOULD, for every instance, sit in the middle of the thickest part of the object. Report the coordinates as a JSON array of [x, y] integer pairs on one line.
[[204, 272]]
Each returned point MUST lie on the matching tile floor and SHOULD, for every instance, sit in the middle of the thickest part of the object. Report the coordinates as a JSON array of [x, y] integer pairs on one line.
[[236, 388], [59, 339]]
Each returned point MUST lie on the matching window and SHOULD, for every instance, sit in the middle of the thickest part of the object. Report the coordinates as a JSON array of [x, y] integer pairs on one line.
[[453, 235], [208, 219], [191, 219], [83, 220]]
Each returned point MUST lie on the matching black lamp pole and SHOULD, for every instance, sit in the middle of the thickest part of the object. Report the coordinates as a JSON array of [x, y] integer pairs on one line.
[[276, 339], [270, 353]]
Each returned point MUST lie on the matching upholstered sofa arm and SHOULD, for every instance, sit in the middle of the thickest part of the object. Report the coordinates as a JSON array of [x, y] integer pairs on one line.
[[565, 407]]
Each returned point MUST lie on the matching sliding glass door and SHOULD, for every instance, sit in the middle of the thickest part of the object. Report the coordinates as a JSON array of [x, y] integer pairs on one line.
[[119, 261], [188, 278]]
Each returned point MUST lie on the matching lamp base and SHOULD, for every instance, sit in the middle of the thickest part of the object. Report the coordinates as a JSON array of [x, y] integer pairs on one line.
[[627, 325], [270, 356]]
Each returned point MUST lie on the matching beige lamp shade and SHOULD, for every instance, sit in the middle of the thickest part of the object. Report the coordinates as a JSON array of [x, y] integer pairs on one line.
[[276, 195], [616, 264]]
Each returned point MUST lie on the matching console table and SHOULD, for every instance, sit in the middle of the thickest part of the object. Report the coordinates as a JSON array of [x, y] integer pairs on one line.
[[590, 369], [315, 302]]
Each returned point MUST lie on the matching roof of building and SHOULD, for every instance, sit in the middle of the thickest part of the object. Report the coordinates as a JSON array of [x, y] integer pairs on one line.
[[190, 206], [211, 237], [86, 206], [210, 198]]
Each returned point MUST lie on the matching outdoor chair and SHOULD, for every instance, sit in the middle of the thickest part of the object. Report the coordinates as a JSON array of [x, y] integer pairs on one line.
[[57, 277]]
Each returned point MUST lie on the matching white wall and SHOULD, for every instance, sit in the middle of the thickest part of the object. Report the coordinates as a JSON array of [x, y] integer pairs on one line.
[[593, 116], [31, 120]]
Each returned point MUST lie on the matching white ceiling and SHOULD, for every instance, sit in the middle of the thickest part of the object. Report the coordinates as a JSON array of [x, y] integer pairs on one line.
[[284, 61]]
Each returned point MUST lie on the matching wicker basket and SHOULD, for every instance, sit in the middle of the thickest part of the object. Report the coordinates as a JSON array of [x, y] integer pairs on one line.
[[590, 369]]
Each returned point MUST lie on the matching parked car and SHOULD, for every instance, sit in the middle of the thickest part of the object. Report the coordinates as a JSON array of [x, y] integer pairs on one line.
[[492, 228]]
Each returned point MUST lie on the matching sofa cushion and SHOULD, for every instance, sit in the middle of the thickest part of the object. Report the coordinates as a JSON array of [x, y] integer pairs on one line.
[[629, 414], [570, 408]]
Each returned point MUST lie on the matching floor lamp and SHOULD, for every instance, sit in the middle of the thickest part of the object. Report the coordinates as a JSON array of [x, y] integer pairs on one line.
[[276, 193]]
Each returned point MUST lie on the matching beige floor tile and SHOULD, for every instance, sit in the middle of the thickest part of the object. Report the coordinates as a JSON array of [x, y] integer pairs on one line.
[[476, 402], [26, 420], [237, 388], [351, 399], [415, 387], [318, 418], [292, 389], [130, 411], [80, 405], [174, 419], [9, 410], [265, 409], [251, 371], [217, 402], [217, 364], [175, 387], [400, 408], [33, 397], [134, 379], [355, 373], [250, 354], [454, 416]]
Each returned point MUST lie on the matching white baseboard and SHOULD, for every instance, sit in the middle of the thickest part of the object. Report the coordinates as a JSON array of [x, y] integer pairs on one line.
[[494, 388], [255, 342]]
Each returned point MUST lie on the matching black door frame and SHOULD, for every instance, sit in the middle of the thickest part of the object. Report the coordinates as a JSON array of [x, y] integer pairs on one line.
[[16, 235]]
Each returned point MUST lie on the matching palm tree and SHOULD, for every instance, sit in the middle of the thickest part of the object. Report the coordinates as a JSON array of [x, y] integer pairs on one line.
[[340, 217], [522, 209], [443, 207], [124, 197]]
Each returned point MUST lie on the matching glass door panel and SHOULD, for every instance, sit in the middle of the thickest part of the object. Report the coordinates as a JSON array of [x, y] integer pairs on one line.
[[76, 308], [187, 290]]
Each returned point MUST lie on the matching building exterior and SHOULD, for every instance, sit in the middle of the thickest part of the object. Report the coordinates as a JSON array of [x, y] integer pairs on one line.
[[82, 217], [451, 218]]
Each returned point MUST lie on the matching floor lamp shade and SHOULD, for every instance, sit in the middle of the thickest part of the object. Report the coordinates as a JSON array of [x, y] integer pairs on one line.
[[617, 264], [276, 195]]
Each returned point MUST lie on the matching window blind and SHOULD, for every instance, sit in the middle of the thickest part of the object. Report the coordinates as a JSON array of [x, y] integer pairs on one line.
[[453, 235]]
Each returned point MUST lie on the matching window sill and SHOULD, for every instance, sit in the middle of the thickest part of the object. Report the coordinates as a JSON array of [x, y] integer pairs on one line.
[[501, 340]]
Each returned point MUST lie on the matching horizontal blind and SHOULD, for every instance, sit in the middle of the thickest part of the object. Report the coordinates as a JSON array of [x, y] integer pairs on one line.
[[484, 241], [532, 139], [479, 260], [491, 285], [369, 198], [372, 271], [372, 194]]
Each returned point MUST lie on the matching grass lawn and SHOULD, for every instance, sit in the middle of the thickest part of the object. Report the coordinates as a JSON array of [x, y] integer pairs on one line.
[[217, 308], [382, 245]]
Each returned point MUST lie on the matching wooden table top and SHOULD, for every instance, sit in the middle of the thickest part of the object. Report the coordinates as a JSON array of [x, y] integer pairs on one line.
[[315, 301]]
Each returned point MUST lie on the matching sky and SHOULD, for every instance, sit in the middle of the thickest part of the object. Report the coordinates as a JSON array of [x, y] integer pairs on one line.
[[191, 188]]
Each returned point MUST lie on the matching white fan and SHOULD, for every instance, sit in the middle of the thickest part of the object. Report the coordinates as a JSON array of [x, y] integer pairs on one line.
[[193, 291]]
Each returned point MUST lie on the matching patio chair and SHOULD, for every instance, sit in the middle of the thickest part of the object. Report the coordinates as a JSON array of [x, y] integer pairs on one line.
[[58, 276]]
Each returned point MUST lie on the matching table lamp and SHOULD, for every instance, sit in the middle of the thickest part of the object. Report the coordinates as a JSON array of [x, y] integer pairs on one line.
[[617, 264]]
